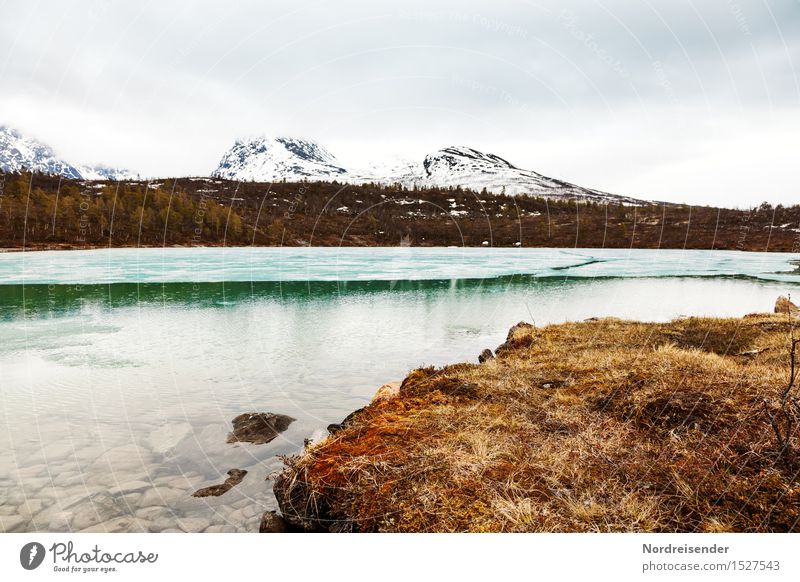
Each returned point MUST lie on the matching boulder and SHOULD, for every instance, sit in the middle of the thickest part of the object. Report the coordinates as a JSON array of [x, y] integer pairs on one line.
[[258, 427], [387, 391], [519, 326], [785, 305], [300, 509], [271, 522], [516, 338], [485, 356], [336, 427]]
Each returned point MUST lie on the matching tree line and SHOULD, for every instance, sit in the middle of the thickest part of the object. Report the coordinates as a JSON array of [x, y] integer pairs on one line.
[[39, 211]]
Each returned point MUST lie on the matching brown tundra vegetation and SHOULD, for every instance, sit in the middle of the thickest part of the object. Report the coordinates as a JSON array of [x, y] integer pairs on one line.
[[45, 212], [603, 426]]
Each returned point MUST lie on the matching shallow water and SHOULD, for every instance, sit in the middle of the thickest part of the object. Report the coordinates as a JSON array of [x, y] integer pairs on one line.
[[121, 370]]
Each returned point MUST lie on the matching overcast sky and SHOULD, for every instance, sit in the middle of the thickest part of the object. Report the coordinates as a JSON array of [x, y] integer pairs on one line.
[[695, 101]]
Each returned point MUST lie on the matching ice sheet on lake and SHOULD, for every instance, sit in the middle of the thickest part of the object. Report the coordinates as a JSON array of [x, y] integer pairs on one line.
[[380, 264]]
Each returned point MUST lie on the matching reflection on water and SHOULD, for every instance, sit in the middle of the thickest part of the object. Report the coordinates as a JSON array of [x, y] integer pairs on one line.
[[117, 399]]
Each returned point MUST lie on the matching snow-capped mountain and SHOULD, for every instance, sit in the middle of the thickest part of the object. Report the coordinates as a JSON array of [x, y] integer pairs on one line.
[[273, 159], [466, 167], [19, 153]]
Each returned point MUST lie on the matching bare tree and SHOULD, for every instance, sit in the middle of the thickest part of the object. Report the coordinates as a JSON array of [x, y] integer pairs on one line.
[[784, 418]]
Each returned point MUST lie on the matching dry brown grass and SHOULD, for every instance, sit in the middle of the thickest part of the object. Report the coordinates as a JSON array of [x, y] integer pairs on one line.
[[598, 426]]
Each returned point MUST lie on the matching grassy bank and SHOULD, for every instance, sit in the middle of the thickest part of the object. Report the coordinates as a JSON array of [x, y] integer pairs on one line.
[[604, 425]]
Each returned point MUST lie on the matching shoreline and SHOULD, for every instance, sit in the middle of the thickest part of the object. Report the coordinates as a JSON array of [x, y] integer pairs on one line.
[[602, 425], [68, 248]]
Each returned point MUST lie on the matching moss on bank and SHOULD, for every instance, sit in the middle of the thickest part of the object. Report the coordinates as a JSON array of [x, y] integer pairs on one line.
[[604, 425]]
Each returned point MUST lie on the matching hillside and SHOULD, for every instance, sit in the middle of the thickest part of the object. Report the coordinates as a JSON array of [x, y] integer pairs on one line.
[[39, 211], [600, 426]]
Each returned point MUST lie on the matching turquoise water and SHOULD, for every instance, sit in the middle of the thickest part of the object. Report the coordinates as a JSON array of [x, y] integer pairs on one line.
[[121, 370], [176, 265]]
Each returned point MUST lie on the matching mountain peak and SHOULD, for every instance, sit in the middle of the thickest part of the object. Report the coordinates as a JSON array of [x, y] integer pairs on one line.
[[271, 159], [19, 153]]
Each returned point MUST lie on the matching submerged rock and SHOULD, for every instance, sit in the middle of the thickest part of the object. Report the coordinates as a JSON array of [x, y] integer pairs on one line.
[[125, 524], [193, 524], [97, 508], [235, 477], [258, 427], [9, 523], [165, 439], [125, 459]]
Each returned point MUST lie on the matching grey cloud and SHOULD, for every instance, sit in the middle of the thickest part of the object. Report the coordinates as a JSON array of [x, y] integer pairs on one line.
[[165, 87]]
